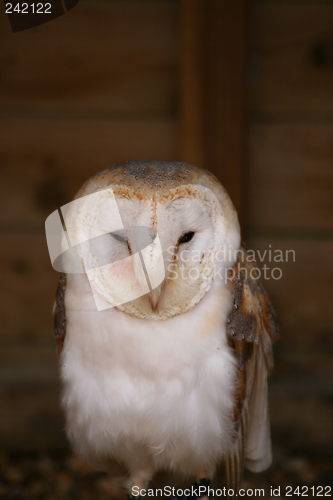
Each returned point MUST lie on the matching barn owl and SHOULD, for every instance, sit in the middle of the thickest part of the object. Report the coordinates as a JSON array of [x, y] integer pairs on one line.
[[174, 379]]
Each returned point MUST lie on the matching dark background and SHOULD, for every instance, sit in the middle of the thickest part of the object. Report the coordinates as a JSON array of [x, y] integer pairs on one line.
[[244, 89]]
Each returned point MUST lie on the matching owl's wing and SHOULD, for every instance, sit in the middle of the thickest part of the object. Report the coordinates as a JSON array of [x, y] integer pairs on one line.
[[59, 312], [251, 330]]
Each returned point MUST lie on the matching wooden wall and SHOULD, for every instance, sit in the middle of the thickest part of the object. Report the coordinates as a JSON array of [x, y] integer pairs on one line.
[[120, 79], [290, 159], [290, 205], [94, 87]]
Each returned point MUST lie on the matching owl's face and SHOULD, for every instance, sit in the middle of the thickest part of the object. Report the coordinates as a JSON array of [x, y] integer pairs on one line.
[[193, 235]]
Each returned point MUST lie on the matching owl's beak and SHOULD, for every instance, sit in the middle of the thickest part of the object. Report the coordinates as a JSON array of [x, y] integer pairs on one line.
[[154, 297]]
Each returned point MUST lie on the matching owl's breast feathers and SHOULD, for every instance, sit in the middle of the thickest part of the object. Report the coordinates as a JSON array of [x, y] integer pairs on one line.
[[251, 329]]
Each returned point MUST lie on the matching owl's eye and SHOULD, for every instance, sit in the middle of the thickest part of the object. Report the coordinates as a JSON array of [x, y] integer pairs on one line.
[[186, 237], [118, 238]]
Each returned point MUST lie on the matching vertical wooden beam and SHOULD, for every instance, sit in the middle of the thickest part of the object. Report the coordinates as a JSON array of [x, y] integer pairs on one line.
[[193, 121], [226, 108], [213, 91]]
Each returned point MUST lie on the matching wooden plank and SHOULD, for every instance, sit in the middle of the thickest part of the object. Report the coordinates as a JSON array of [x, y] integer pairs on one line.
[[28, 286], [30, 417], [291, 58], [213, 96], [291, 177], [300, 393], [226, 97], [44, 162], [31, 420], [303, 294], [107, 56], [193, 101], [301, 423]]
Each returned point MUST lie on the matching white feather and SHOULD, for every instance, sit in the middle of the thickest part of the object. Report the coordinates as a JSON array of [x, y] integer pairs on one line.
[[159, 390]]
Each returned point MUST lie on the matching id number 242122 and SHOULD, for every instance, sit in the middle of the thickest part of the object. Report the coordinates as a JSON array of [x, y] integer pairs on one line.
[[28, 8]]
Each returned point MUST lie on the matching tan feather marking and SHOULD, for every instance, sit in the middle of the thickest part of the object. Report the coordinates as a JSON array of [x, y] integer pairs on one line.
[[181, 191], [251, 329], [127, 192], [59, 344], [154, 214], [239, 395]]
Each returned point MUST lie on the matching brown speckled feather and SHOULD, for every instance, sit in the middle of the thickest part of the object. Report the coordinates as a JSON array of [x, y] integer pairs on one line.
[[251, 330], [60, 314]]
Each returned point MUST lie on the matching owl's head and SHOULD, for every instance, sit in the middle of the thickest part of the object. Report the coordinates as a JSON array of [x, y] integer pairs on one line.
[[169, 230]]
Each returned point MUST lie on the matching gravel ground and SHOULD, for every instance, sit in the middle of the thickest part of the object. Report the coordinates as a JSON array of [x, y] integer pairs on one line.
[[66, 477]]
